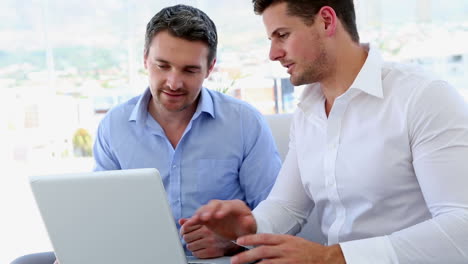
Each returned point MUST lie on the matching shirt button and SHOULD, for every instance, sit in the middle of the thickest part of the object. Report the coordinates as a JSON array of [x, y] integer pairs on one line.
[[174, 166]]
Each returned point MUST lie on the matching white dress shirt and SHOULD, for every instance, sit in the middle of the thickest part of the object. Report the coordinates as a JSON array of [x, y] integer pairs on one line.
[[387, 170]]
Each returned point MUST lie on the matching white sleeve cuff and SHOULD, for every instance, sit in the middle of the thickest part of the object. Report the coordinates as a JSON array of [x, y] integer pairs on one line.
[[369, 251], [262, 225]]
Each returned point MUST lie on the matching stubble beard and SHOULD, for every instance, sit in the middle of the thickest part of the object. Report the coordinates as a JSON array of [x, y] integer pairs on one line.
[[186, 104], [314, 71], [161, 105]]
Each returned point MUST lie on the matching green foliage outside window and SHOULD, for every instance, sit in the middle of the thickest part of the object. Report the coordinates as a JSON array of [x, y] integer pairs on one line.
[[82, 143]]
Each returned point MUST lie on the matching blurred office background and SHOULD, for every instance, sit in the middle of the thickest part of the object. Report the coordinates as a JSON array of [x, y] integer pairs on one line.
[[63, 64]]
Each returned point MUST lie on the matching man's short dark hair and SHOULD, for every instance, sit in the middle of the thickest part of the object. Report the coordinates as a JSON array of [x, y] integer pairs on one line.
[[184, 22], [307, 9]]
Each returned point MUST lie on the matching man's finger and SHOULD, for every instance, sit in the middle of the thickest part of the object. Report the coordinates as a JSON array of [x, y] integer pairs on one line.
[[208, 253], [193, 236], [188, 228], [182, 221], [258, 253], [205, 212], [196, 245], [260, 239]]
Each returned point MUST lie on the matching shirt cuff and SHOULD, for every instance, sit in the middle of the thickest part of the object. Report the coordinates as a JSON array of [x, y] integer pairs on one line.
[[262, 225], [369, 251]]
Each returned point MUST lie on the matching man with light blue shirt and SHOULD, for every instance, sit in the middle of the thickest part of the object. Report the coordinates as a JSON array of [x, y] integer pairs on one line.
[[205, 144]]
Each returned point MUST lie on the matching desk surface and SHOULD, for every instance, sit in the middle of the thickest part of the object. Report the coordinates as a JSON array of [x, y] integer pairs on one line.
[[223, 260]]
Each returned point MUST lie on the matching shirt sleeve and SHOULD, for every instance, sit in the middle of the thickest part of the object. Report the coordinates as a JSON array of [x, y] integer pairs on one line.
[[438, 131], [103, 157], [287, 207], [261, 162]]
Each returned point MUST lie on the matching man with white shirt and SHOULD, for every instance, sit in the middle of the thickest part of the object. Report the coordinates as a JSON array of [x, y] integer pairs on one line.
[[378, 149]]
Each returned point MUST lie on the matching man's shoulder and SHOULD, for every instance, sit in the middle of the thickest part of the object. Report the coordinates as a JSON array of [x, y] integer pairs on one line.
[[407, 79], [408, 72]]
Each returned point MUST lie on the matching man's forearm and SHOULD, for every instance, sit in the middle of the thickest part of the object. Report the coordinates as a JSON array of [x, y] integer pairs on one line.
[[335, 255]]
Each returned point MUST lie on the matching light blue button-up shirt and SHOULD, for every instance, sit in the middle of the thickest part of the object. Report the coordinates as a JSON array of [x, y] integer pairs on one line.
[[226, 152]]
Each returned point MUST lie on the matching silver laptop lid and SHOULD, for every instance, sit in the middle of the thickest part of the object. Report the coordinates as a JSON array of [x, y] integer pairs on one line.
[[117, 217]]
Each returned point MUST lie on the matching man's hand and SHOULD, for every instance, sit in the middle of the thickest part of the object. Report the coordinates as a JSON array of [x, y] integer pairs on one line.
[[204, 243], [56, 261], [286, 249], [228, 219]]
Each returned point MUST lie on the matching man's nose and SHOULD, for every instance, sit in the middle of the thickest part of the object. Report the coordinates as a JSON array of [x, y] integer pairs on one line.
[[174, 81], [276, 52]]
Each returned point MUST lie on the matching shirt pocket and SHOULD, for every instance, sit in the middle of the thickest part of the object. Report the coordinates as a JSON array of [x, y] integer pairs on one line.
[[217, 179]]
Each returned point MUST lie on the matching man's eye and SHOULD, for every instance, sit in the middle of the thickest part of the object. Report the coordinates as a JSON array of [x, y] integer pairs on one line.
[[162, 66], [283, 35]]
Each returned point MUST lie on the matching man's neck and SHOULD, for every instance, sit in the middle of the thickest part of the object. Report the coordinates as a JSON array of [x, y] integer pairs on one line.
[[173, 123], [348, 63], [163, 116]]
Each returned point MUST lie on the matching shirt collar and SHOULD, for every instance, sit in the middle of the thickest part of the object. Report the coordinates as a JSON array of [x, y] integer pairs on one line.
[[205, 104], [141, 108], [369, 78]]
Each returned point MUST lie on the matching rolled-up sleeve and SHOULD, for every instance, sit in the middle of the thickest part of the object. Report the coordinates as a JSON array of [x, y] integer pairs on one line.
[[261, 162], [103, 157]]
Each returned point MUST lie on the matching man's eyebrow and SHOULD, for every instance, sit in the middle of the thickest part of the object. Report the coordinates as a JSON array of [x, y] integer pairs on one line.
[[194, 67], [160, 60]]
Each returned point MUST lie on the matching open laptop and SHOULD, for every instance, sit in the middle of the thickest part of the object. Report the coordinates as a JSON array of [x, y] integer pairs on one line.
[[117, 217]]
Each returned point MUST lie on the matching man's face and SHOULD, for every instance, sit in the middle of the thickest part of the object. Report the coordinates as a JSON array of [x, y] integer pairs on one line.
[[177, 69], [297, 46]]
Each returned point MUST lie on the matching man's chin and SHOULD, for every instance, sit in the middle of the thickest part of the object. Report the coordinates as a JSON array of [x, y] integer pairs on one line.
[[299, 80], [175, 108], [295, 81]]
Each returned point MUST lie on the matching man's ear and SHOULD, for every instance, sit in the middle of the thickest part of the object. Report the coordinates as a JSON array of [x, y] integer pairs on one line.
[[211, 67], [329, 20], [145, 60]]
